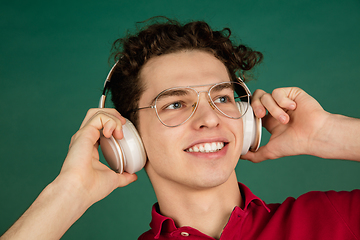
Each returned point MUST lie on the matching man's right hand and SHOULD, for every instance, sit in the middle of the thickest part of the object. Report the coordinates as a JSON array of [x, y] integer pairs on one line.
[[82, 167]]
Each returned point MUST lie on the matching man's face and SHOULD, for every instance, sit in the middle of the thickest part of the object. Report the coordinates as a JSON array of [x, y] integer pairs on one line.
[[169, 161]]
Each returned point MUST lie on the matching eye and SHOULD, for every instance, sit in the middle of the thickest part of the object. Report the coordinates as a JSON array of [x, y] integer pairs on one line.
[[175, 105], [222, 99]]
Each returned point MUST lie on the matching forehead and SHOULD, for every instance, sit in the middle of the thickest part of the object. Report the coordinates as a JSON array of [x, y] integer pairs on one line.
[[186, 68]]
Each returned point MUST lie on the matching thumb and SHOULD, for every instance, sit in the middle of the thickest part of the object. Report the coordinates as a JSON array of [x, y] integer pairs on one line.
[[260, 155], [125, 178]]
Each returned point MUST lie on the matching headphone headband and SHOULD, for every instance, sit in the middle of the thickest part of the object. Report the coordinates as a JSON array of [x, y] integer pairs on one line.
[[106, 85]]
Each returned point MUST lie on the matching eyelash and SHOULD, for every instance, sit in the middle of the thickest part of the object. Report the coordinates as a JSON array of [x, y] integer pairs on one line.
[[172, 104], [228, 99]]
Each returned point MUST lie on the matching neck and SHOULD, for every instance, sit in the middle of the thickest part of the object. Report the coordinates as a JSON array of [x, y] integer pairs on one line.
[[207, 210]]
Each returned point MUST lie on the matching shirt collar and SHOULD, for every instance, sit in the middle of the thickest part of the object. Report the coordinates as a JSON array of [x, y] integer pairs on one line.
[[250, 197], [161, 223]]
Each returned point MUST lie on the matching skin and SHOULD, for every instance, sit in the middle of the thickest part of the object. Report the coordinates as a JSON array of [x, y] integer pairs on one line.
[[299, 125], [83, 180], [180, 179], [296, 121], [165, 145]]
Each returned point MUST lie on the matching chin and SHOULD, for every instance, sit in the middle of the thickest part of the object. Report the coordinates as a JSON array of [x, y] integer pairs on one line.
[[211, 180]]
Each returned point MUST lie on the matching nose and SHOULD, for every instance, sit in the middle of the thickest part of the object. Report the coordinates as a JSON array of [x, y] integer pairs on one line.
[[205, 114]]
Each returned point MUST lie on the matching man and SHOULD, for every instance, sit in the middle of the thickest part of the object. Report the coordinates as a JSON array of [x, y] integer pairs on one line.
[[197, 189]]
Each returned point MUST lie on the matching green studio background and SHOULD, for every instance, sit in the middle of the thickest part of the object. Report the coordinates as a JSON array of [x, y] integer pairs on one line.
[[54, 59]]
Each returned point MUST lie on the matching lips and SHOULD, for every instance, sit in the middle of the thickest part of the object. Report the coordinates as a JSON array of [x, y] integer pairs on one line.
[[208, 147]]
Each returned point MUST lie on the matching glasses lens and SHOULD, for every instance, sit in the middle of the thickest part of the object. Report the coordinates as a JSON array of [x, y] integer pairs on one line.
[[174, 106], [230, 98]]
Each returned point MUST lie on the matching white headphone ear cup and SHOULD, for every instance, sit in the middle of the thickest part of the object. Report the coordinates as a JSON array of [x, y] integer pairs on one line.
[[112, 153], [133, 148], [251, 128], [127, 154]]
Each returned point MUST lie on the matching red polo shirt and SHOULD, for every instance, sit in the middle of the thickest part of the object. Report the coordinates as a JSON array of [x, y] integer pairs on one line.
[[314, 215]]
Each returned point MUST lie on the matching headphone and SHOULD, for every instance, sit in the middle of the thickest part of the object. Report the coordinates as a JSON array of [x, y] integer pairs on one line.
[[128, 154]]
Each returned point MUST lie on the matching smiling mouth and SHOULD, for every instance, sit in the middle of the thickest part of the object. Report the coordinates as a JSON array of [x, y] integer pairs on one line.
[[206, 147]]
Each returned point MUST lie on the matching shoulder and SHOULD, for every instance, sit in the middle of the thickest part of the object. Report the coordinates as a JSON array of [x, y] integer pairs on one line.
[[318, 213], [318, 199], [147, 235]]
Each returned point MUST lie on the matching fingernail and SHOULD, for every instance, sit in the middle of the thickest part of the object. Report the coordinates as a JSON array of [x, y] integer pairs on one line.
[[257, 112], [282, 118]]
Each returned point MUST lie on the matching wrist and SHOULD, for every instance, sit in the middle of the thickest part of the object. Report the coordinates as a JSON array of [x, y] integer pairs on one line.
[[57, 207], [71, 191], [319, 142], [337, 138]]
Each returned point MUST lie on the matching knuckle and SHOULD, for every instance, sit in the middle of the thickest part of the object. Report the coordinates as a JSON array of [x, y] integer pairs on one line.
[[280, 96], [100, 113], [92, 111], [259, 92], [265, 97], [75, 137], [97, 111], [71, 141], [296, 89], [277, 92]]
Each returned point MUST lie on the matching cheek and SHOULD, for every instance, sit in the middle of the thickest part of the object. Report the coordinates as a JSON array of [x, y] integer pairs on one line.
[[237, 129], [241, 131], [154, 136], [153, 143], [161, 149]]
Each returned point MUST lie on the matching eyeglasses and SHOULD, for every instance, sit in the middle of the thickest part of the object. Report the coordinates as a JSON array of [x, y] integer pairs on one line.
[[174, 106]]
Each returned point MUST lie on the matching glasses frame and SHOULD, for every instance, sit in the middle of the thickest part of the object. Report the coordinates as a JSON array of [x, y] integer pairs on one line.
[[212, 104]]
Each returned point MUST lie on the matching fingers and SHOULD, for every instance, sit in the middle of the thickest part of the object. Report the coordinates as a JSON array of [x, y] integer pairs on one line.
[[277, 103], [82, 166], [106, 115], [107, 111], [109, 120], [256, 104], [282, 98]]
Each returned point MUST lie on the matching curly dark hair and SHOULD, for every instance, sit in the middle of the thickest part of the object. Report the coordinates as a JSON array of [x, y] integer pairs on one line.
[[133, 51]]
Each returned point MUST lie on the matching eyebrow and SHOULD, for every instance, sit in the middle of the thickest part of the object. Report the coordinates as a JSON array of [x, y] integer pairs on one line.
[[223, 86], [171, 92]]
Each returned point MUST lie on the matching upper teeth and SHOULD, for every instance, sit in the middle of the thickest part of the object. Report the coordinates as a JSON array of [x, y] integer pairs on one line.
[[206, 147]]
